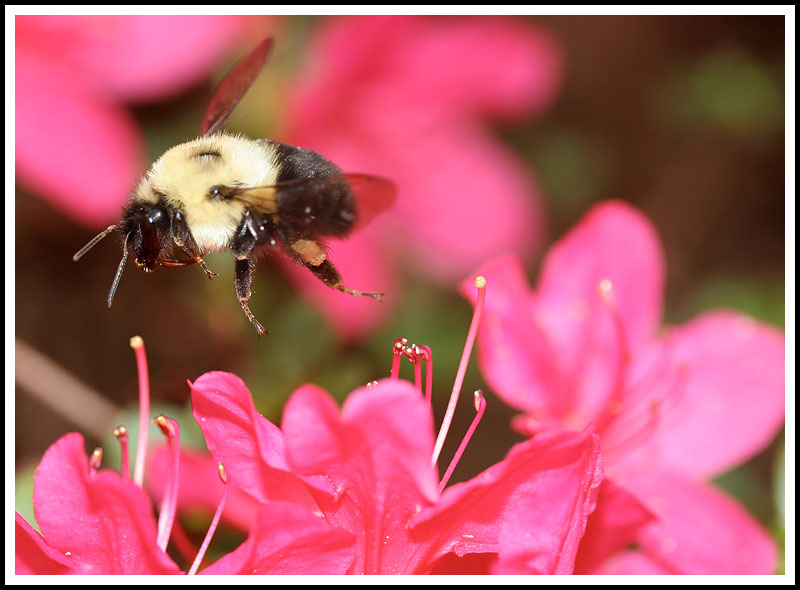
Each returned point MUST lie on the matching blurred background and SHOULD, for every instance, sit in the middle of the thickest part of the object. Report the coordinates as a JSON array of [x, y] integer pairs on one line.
[[681, 116]]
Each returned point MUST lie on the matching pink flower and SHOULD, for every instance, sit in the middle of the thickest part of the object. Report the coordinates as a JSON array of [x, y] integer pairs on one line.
[[101, 522], [91, 523], [673, 409], [411, 98], [369, 469], [76, 146]]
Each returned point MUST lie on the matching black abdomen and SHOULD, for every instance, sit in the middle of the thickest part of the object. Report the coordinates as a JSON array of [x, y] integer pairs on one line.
[[315, 201]]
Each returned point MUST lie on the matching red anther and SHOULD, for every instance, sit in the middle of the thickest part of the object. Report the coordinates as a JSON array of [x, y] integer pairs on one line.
[[223, 475]]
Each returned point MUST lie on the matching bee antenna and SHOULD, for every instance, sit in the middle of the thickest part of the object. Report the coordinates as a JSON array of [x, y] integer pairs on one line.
[[93, 241], [118, 276]]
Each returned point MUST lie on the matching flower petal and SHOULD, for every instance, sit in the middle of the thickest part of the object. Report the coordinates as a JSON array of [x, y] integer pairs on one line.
[[701, 530], [734, 388], [631, 562], [611, 527], [434, 60], [250, 446], [514, 354], [59, 128], [377, 456], [613, 242], [105, 523], [131, 57], [386, 82], [32, 554], [286, 539], [531, 508]]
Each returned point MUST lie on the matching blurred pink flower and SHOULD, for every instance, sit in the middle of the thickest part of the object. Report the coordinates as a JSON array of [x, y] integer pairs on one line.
[[368, 471], [411, 98], [76, 145], [672, 410]]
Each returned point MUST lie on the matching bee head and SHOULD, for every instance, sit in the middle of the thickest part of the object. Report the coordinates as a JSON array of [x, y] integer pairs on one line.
[[146, 228]]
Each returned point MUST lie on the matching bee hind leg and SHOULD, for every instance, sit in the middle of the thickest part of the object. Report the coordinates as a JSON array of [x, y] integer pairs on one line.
[[243, 281], [326, 272], [314, 259]]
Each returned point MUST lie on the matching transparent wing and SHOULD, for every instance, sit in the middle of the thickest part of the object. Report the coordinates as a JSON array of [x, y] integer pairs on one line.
[[373, 194], [233, 87]]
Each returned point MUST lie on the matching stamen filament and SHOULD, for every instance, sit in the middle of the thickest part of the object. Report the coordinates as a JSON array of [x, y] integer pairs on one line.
[[605, 290], [214, 521], [427, 356], [94, 461], [137, 344], [169, 503], [122, 436], [480, 284], [480, 407], [412, 353], [397, 355]]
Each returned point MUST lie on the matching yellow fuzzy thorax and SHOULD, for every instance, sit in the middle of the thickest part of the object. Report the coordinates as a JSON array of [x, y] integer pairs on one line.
[[185, 174]]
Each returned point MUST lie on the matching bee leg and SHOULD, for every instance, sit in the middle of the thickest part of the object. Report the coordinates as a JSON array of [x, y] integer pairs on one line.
[[199, 260], [314, 259], [169, 262], [243, 280], [183, 238]]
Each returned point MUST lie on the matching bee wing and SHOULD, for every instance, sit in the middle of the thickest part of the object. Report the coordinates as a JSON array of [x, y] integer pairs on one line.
[[233, 87], [373, 194]]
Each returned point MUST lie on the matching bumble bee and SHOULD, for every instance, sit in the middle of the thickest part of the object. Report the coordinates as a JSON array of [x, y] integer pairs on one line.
[[228, 192]]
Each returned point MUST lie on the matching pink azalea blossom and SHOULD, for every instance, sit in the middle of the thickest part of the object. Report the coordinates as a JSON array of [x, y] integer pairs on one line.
[[101, 522], [72, 76], [368, 470], [411, 98], [673, 408], [91, 523]]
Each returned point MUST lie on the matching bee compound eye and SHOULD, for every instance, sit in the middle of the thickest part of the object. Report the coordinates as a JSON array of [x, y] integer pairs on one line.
[[149, 245]]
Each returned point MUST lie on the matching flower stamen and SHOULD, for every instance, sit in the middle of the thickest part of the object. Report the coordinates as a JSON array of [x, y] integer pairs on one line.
[[223, 476], [122, 436], [643, 400], [169, 503], [480, 408], [397, 351], [137, 344], [426, 354], [94, 461], [415, 354], [480, 284]]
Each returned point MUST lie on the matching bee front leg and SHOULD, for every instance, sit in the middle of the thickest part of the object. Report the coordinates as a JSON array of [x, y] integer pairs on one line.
[[183, 238], [243, 280], [314, 259]]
